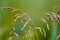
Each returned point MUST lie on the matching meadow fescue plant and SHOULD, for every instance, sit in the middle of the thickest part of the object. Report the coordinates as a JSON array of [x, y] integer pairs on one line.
[[23, 28]]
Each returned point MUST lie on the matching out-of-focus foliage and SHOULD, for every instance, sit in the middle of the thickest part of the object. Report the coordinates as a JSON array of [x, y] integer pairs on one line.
[[23, 20], [23, 28]]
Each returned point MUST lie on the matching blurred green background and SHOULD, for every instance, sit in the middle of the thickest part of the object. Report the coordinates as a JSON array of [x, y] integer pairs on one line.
[[34, 8]]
